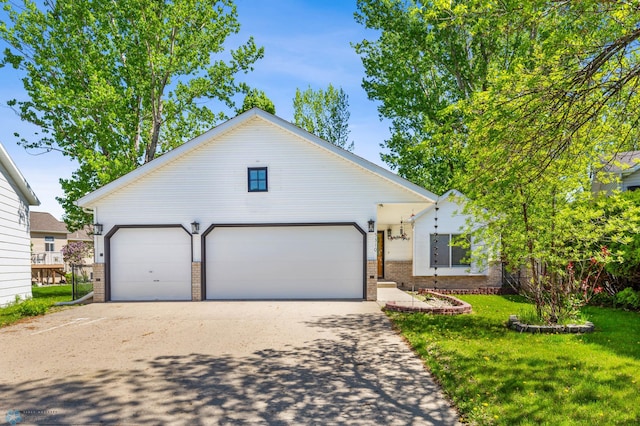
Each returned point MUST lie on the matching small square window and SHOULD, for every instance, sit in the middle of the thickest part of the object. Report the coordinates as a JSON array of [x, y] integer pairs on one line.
[[257, 179]]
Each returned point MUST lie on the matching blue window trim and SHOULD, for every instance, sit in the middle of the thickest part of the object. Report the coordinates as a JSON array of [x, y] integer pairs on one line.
[[256, 181]]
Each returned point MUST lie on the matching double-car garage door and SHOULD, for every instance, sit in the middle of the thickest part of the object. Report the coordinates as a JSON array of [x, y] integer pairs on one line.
[[240, 262]]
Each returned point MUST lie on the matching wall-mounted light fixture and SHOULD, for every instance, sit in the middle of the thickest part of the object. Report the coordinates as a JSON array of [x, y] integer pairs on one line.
[[195, 227], [97, 229], [371, 225]]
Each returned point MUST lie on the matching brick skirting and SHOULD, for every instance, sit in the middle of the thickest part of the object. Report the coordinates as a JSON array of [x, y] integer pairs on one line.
[[196, 281], [400, 271], [98, 282]]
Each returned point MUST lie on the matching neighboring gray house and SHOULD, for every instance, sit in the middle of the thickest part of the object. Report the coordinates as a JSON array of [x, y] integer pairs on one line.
[[258, 208], [625, 167], [15, 253]]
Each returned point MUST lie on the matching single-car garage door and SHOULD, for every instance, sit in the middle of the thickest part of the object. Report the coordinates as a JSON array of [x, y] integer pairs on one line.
[[150, 264], [284, 262]]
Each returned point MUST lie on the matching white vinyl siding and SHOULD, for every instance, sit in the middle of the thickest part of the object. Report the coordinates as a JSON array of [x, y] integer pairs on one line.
[[15, 254], [307, 184]]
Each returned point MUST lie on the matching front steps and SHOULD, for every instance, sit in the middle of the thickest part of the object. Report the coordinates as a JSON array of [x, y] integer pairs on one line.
[[387, 284]]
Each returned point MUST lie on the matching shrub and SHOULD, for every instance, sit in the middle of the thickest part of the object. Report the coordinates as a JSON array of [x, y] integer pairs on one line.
[[32, 307], [628, 298], [602, 299]]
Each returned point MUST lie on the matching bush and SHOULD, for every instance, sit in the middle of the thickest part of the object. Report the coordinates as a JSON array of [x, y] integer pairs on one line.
[[32, 307], [628, 298], [602, 299]]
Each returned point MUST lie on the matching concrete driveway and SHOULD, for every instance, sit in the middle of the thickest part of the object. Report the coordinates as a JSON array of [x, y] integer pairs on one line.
[[215, 363]]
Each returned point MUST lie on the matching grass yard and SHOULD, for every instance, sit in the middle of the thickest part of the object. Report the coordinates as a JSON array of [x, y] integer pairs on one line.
[[43, 300], [498, 376]]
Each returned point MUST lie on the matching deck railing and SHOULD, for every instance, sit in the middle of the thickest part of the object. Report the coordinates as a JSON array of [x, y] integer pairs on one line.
[[47, 258]]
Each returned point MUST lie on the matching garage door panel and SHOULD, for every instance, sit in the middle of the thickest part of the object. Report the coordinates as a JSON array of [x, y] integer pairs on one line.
[[150, 264], [286, 262]]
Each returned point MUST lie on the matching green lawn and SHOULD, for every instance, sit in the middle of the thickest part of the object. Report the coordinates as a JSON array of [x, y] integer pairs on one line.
[[43, 299], [498, 376]]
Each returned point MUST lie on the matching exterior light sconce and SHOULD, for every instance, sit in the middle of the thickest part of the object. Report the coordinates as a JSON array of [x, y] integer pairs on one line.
[[97, 229], [371, 224], [402, 235], [195, 227]]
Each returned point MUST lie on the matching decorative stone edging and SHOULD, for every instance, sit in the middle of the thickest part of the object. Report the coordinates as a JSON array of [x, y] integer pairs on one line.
[[460, 307], [475, 291], [515, 324]]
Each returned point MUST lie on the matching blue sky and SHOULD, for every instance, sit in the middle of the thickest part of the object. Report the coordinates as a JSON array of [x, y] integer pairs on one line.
[[306, 42]]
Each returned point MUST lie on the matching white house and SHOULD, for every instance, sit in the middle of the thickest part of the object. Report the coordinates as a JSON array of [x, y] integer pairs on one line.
[[255, 208], [15, 254], [440, 261]]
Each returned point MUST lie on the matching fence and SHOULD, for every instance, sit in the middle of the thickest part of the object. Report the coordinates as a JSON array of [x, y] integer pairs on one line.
[[81, 280]]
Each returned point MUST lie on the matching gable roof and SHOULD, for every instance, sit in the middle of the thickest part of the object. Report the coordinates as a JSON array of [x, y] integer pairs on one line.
[[444, 198], [17, 178], [45, 222], [623, 163], [232, 124]]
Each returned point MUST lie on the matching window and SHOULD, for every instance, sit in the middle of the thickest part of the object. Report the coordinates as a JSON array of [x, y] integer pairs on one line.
[[49, 244], [257, 179], [446, 255]]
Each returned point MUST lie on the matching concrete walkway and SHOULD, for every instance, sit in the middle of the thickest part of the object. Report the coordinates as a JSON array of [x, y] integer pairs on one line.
[[400, 297]]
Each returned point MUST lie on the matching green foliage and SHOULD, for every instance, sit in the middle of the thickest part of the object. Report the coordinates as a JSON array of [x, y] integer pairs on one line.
[[628, 298], [428, 57], [113, 84], [257, 98], [496, 376], [42, 296], [325, 113], [534, 134], [626, 269], [33, 307]]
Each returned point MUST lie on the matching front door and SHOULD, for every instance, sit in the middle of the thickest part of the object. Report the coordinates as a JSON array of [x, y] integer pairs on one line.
[[380, 254]]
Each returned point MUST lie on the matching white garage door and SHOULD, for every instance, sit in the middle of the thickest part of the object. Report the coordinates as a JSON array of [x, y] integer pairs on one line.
[[150, 264], [284, 262]]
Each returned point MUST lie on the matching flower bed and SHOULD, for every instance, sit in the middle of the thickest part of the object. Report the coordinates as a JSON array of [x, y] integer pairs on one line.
[[454, 306]]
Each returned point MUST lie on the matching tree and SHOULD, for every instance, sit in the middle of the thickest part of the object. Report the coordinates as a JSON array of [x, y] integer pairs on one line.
[[325, 113], [75, 252], [516, 104], [113, 84], [536, 135], [428, 57], [257, 98]]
